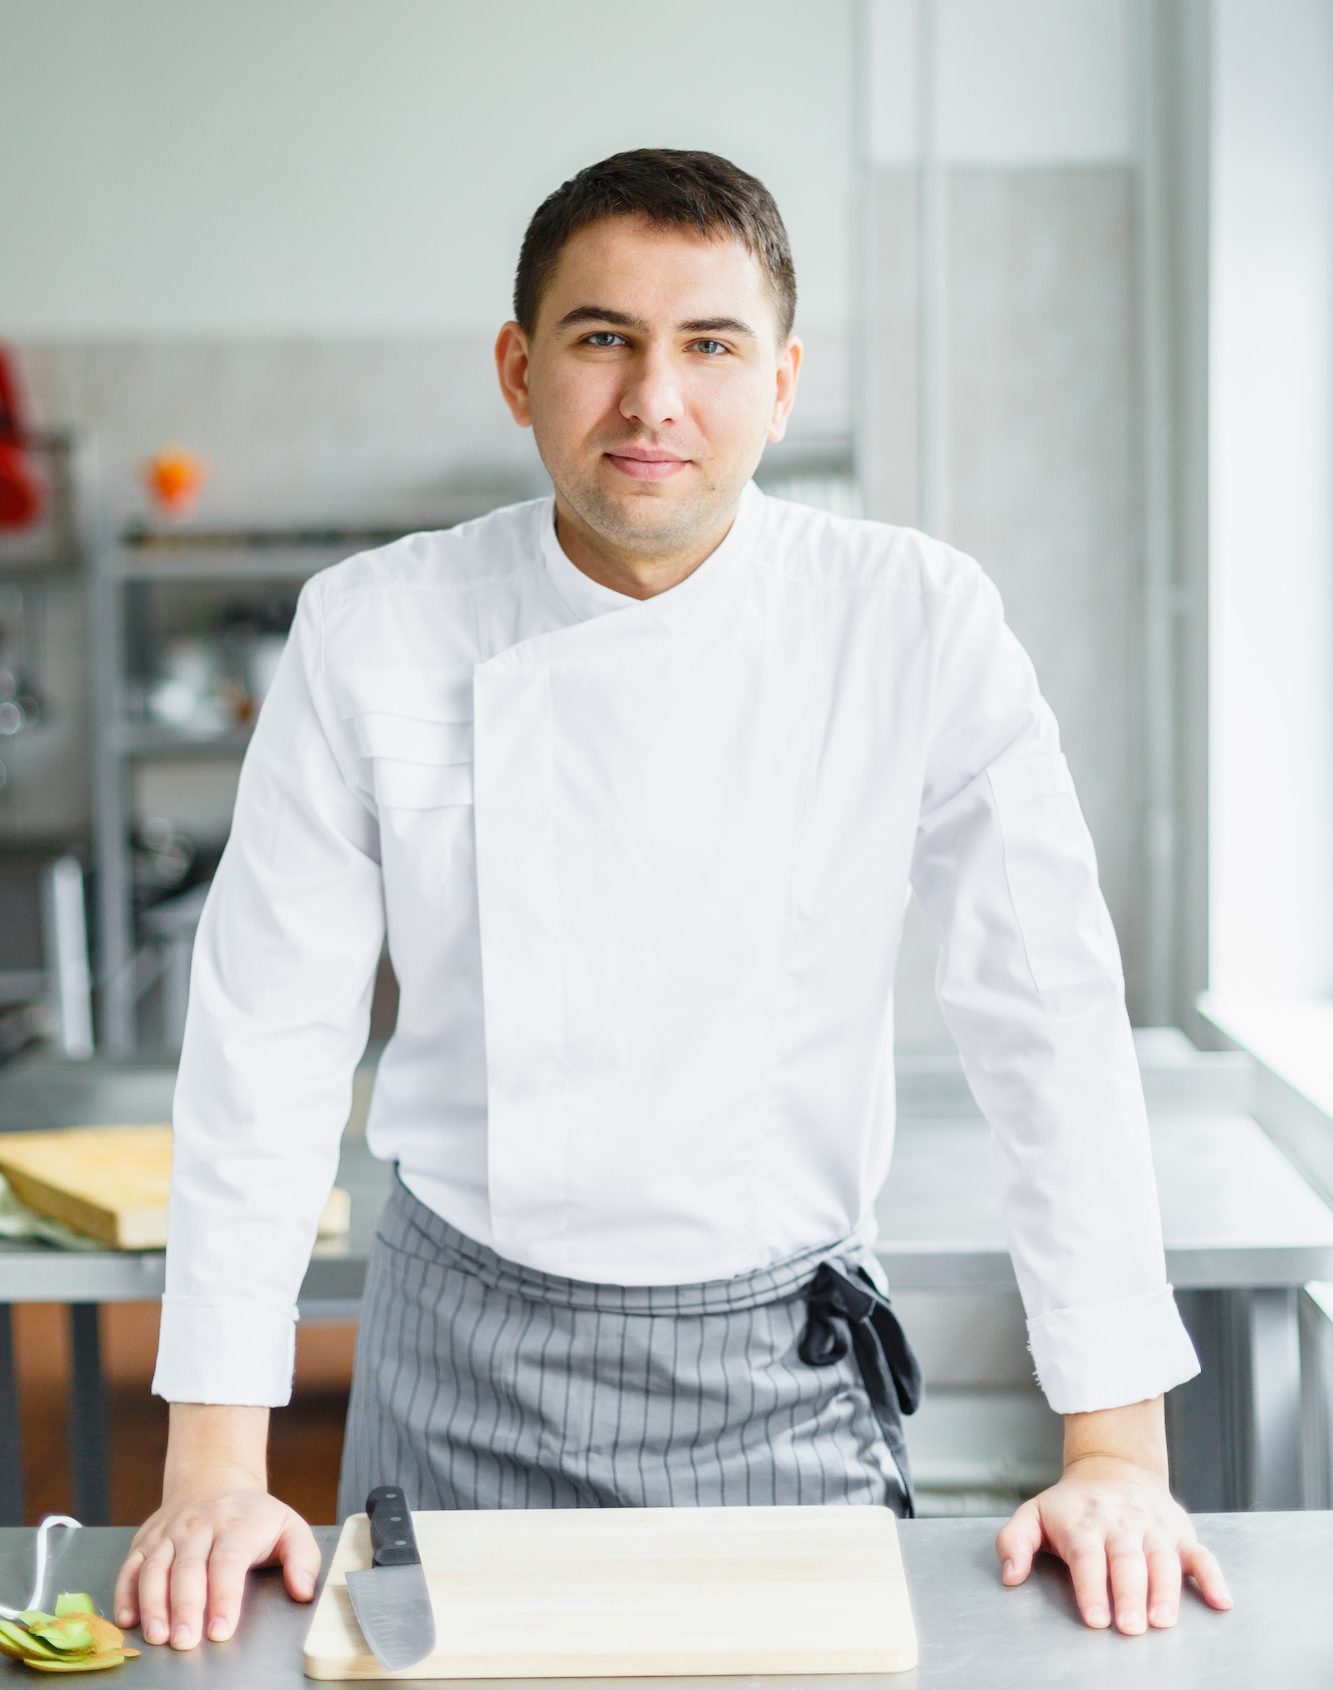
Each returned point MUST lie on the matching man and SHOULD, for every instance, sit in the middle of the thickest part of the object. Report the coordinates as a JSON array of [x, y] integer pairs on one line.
[[637, 778]]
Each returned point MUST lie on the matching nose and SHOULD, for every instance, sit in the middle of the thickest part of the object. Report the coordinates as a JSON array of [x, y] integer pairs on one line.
[[652, 392]]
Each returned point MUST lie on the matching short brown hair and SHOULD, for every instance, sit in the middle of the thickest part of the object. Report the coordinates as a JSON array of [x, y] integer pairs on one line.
[[671, 189]]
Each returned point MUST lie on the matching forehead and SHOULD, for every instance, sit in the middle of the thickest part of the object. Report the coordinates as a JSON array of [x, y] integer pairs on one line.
[[635, 267]]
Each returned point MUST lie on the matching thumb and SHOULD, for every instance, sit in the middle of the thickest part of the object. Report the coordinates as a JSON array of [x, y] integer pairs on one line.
[[300, 1556], [1018, 1541]]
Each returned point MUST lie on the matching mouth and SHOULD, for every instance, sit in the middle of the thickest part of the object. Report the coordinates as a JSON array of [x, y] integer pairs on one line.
[[646, 468]]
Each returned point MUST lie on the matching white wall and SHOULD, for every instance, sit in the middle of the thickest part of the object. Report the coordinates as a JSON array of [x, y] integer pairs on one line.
[[1019, 81], [1271, 516], [241, 167]]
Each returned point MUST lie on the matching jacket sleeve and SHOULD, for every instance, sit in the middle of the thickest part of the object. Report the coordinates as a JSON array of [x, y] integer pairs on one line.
[[1031, 986], [281, 981]]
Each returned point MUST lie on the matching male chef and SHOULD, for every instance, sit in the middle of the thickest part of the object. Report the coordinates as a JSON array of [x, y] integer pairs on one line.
[[636, 780]]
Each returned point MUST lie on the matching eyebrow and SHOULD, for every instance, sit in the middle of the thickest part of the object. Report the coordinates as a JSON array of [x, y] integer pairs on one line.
[[696, 325]]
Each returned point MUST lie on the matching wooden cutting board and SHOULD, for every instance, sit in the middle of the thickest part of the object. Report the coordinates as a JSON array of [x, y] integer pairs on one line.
[[596, 1592], [111, 1183]]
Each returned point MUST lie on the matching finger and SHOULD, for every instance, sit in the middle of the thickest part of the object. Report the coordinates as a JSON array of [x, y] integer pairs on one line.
[[301, 1559], [1085, 1555], [1128, 1568], [125, 1598], [1018, 1541], [1203, 1566], [1163, 1581], [153, 1578], [228, 1564], [189, 1587]]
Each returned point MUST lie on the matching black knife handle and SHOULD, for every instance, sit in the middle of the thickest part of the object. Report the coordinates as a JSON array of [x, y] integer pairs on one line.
[[393, 1543]]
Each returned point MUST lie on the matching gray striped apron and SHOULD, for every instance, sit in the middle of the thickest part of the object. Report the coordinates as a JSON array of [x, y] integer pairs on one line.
[[481, 1383]]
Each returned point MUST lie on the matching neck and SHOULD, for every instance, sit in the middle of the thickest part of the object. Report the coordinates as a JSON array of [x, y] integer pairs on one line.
[[624, 572]]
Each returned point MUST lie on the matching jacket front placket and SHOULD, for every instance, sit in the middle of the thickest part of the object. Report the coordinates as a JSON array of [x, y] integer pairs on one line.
[[517, 800]]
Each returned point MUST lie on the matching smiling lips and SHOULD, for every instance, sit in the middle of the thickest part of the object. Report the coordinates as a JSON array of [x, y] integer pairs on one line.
[[647, 469]]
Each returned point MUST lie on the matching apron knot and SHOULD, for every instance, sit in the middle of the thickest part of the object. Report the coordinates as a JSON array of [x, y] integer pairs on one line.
[[885, 1357]]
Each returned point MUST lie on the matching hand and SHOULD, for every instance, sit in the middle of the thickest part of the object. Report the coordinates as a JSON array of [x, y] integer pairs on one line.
[[193, 1553], [1108, 1513]]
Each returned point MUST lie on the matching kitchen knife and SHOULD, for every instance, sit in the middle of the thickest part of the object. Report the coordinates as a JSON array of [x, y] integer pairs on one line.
[[390, 1598]]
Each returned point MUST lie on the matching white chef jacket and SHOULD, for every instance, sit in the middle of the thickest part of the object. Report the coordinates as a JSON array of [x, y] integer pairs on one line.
[[642, 865]]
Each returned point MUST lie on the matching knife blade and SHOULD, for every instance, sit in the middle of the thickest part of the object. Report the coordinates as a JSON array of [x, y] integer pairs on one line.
[[390, 1598]]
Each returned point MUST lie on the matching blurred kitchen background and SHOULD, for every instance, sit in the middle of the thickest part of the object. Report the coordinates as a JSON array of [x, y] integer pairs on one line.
[[1065, 277]]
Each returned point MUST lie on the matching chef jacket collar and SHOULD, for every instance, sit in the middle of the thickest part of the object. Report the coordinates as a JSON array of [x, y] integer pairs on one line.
[[587, 597]]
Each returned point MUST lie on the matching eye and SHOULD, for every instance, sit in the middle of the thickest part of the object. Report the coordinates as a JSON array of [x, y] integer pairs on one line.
[[605, 333], [717, 343]]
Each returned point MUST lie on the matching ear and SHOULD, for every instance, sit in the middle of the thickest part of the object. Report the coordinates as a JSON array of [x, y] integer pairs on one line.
[[511, 365], [788, 372]]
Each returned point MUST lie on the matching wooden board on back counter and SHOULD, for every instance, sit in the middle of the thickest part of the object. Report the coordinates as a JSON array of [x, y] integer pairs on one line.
[[573, 1592], [110, 1183]]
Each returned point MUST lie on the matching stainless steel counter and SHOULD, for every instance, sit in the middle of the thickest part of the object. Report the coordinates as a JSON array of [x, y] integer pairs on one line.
[[974, 1633]]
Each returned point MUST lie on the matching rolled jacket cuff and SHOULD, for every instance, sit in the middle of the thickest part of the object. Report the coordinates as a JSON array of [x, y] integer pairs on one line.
[[1106, 1355], [225, 1352]]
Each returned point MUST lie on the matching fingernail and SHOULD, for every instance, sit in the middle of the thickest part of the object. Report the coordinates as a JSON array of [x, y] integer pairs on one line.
[[303, 1586], [155, 1631], [1131, 1620], [1007, 1571], [124, 1616], [218, 1630], [182, 1635], [1098, 1616]]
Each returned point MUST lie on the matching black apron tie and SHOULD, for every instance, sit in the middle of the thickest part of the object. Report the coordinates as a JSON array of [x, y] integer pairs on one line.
[[888, 1365]]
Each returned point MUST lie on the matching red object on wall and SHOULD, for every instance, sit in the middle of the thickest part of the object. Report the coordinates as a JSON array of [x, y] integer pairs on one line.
[[21, 492]]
